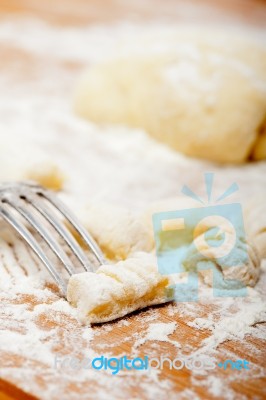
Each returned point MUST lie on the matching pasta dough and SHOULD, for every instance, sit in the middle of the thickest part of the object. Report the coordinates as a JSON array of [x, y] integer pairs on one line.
[[47, 175], [255, 218], [205, 96], [259, 152], [118, 289], [242, 266], [117, 231]]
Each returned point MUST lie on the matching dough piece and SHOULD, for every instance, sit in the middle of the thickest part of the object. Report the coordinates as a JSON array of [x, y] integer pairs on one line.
[[249, 251], [259, 152], [27, 160], [243, 265], [47, 175], [117, 231], [255, 219], [204, 97], [118, 289]]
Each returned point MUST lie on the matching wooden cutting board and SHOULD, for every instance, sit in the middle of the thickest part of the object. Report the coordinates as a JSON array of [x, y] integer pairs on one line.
[[26, 378], [119, 338]]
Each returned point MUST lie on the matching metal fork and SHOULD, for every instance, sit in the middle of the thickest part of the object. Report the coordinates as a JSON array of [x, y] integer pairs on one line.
[[18, 198]]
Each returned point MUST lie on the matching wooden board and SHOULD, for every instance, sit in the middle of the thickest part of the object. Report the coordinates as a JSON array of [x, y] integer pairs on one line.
[[29, 379]]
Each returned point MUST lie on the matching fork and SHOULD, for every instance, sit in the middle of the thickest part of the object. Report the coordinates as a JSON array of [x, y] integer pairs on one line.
[[24, 197]]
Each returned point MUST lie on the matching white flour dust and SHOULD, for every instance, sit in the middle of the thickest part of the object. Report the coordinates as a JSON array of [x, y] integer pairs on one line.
[[108, 164]]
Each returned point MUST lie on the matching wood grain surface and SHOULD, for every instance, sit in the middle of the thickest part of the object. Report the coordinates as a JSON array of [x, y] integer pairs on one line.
[[117, 336]]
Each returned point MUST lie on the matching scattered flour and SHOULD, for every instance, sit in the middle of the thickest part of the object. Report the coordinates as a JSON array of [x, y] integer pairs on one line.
[[34, 114], [158, 332]]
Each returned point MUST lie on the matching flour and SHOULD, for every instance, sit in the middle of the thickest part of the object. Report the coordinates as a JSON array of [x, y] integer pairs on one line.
[[105, 164], [158, 332], [234, 327], [216, 387]]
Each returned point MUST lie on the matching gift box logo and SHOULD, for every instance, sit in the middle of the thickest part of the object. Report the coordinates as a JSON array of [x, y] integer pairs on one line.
[[208, 237]]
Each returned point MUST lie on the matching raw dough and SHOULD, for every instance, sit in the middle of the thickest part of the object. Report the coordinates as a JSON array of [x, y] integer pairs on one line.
[[48, 175], [243, 266], [117, 231], [205, 95], [244, 269], [259, 152], [255, 218], [118, 289], [27, 161]]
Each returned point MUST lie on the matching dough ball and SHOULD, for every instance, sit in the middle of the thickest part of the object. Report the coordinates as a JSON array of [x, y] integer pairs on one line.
[[259, 152], [203, 96], [117, 231], [242, 265], [22, 158], [255, 223], [48, 175]]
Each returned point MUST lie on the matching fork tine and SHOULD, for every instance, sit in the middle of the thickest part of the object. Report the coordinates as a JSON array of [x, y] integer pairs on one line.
[[76, 225], [27, 236], [59, 227], [44, 234]]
